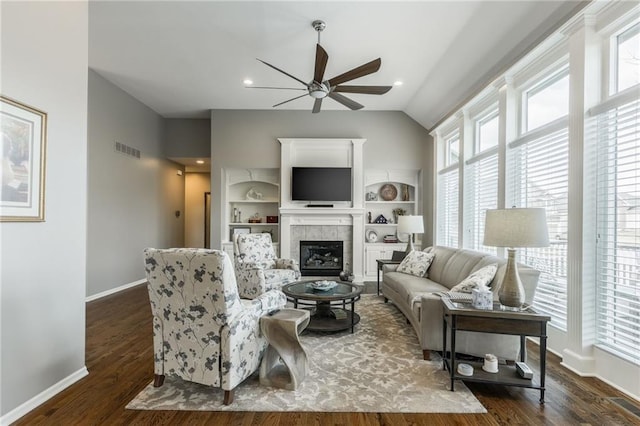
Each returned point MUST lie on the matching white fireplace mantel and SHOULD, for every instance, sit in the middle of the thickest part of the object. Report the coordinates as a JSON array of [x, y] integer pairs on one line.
[[316, 152]]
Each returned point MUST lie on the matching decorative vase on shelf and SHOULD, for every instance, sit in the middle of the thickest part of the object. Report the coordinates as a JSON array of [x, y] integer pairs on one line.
[[405, 192]]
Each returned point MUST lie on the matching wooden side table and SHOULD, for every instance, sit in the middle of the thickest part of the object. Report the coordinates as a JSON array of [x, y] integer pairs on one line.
[[381, 263], [282, 330], [463, 317]]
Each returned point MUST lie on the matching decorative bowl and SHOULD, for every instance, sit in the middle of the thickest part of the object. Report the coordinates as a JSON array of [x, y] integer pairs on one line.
[[388, 192], [323, 285]]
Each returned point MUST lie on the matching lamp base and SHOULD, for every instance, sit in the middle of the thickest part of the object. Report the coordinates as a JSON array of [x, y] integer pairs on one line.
[[511, 291], [409, 246]]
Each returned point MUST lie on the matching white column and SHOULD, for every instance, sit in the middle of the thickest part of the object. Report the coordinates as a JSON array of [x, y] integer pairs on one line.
[[285, 236], [357, 245], [584, 75], [357, 168], [286, 152]]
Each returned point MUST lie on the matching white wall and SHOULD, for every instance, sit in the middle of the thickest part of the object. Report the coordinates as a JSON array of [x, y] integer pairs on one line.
[[196, 184], [131, 202], [249, 138], [42, 278]]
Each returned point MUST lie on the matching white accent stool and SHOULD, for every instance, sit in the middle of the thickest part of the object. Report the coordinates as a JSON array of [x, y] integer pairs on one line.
[[282, 330]]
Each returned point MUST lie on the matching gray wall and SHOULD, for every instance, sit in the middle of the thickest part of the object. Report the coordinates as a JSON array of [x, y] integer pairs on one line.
[[248, 138], [188, 137], [131, 202], [42, 273]]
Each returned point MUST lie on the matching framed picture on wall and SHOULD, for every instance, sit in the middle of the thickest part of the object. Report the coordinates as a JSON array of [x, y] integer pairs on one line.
[[239, 230], [23, 133]]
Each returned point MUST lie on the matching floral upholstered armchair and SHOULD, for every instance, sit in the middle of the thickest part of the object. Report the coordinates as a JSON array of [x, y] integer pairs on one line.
[[257, 268], [202, 331]]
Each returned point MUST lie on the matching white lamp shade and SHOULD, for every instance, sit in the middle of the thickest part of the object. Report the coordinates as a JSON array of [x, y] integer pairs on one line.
[[410, 224], [516, 228]]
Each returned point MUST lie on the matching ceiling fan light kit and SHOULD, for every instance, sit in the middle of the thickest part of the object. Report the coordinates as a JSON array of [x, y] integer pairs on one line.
[[318, 88]]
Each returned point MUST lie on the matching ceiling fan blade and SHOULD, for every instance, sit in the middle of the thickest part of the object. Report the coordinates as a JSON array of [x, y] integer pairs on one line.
[[361, 71], [368, 90], [283, 72], [321, 63], [317, 105], [292, 99], [279, 88], [345, 101]]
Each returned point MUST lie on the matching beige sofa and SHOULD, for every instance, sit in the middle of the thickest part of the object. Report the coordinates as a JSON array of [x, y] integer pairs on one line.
[[418, 300]]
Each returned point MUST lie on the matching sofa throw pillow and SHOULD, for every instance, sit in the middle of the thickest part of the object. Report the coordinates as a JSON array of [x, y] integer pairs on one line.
[[481, 277], [416, 263]]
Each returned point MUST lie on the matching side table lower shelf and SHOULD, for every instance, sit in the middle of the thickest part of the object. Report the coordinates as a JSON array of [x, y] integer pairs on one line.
[[506, 375]]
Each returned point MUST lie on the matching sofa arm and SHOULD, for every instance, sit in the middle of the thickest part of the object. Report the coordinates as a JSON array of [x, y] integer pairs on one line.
[[390, 267], [431, 312]]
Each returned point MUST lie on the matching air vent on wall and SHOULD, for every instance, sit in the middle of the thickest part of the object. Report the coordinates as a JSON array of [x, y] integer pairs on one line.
[[127, 150]]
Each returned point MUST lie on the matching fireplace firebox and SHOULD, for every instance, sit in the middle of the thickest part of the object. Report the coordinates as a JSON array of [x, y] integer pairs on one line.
[[320, 258]]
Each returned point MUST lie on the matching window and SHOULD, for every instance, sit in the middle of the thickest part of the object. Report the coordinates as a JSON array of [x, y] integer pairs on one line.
[[448, 207], [538, 177], [452, 150], [481, 193], [481, 181], [626, 63], [617, 137], [487, 132], [546, 101], [447, 193]]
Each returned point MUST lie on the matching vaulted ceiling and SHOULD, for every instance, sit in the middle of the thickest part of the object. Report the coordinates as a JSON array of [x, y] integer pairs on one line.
[[183, 59]]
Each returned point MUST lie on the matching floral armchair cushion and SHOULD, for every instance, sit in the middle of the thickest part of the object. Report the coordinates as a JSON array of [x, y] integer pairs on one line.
[[202, 331], [257, 268]]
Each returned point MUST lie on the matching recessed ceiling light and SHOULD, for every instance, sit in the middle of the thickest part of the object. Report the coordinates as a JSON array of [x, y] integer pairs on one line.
[[247, 82], [397, 83], [200, 161]]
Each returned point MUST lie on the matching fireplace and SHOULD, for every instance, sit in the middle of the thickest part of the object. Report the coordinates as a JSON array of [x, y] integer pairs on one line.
[[320, 258]]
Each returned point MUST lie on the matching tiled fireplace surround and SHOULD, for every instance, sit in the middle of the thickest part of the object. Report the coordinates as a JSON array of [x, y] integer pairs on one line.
[[323, 233]]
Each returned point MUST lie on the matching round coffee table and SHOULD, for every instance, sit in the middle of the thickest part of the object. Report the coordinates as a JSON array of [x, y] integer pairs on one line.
[[328, 307]]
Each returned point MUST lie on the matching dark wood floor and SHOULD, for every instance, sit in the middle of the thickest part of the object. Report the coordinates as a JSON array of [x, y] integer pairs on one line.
[[119, 359]]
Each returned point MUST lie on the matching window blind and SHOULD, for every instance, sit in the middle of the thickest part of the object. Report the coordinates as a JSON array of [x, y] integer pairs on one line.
[[616, 133], [448, 205], [481, 193], [537, 176]]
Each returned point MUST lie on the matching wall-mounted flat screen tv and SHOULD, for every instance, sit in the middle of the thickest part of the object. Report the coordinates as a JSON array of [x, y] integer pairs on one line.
[[321, 184]]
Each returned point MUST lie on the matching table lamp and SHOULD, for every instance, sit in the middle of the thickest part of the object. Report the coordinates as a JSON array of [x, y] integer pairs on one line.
[[410, 225], [513, 228]]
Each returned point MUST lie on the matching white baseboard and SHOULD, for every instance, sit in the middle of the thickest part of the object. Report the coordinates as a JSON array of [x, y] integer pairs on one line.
[[582, 365], [42, 397], [115, 290]]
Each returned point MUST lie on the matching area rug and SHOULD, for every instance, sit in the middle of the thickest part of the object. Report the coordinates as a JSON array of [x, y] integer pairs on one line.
[[379, 368]]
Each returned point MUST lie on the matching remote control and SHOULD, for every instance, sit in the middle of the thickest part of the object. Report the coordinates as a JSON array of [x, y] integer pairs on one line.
[[524, 371]]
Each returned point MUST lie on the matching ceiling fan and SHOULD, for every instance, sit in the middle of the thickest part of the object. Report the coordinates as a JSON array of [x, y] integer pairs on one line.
[[319, 88]]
